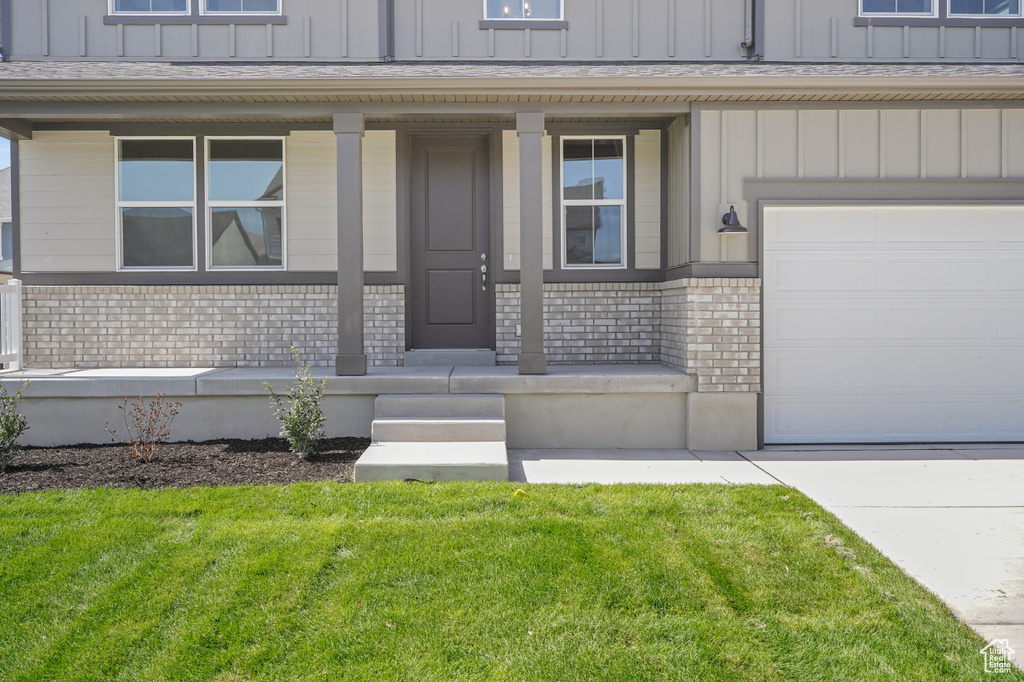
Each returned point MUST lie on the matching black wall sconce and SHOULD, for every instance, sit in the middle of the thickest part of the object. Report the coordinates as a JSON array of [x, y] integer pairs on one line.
[[731, 223]]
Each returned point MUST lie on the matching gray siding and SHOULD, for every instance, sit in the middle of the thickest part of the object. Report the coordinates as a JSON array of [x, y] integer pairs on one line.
[[311, 29], [827, 144], [827, 29]]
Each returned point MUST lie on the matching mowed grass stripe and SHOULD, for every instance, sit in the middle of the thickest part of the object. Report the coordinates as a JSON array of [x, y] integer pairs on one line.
[[458, 581]]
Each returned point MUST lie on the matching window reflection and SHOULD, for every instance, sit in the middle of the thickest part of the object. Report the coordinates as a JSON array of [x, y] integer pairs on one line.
[[524, 9], [246, 236], [156, 237], [246, 170]]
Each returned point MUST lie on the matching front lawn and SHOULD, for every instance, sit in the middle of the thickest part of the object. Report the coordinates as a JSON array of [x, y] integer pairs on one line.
[[411, 581]]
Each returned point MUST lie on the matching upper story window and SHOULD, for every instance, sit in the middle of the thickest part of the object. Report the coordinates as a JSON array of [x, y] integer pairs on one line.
[[898, 7], [242, 7], [593, 202], [158, 7], [149, 6], [523, 9], [985, 8]]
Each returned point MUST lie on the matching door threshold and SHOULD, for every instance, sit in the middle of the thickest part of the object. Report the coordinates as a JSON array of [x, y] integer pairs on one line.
[[451, 357]]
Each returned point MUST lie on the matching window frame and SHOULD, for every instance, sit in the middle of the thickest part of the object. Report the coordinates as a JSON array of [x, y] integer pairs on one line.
[[210, 204], [241, 13], [560, 17], [119, 204], [623, 263], [952, 15], [113, 11], [194, 8], [934, 13]]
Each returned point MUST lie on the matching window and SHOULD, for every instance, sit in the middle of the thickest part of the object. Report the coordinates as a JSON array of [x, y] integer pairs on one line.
[[593, 202], [150, 6], [900, 7], [242, 7], [985, 8], [523, 9], [245, 199], [156, 202]]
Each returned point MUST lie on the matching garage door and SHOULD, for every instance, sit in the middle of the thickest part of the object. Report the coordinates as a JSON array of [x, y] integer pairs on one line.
[[893, 324]]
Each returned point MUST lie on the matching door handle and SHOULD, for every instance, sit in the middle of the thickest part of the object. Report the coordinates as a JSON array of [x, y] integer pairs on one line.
[[483, 277]]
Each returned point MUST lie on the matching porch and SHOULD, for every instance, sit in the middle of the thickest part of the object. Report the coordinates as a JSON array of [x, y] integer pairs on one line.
[[572, 406]]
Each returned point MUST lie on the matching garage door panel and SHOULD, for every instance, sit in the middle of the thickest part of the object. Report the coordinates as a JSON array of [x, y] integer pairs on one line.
[[1009, 420], [823, 323], [1009, 323], [815, 275], [797, 420], [803, 371], [925, 323], [936, 370], [935, 274], [934, 419], [1010, 274], [910, 327], [805, 229], [931, 227]]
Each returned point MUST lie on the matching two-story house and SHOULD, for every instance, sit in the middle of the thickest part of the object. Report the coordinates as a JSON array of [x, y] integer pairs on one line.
[[816, 208]]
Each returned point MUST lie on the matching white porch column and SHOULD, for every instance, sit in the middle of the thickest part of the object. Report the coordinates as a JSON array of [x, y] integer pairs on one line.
[[530, 126], [351, 357]]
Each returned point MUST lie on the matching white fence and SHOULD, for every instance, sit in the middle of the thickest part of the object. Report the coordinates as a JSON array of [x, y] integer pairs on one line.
[[11, 348]]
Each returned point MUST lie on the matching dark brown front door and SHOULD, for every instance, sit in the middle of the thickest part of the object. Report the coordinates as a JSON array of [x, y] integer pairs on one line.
[[450, 300]]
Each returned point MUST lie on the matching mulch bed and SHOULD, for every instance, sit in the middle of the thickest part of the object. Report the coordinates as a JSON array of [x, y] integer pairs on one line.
[[218, 462]]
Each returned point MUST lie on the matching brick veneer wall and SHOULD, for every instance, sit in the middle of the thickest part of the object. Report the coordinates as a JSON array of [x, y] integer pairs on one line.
[[587, 323], [712, 327], [201, 326]]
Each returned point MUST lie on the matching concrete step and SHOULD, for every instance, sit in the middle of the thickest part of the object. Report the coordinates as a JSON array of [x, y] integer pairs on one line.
[[440, 406], [467, 461], [438, 430]]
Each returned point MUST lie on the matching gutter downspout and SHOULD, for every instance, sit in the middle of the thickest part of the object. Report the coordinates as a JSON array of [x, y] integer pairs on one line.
[[386, 30], [748, 28]]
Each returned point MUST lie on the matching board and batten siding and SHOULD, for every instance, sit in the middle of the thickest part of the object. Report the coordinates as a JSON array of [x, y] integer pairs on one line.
[[510, 199], [828, 144], [313, 206], [67, 202], [647, 200]]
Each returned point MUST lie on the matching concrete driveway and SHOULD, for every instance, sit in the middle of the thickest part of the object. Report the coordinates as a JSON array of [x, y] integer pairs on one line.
[[951, 516]]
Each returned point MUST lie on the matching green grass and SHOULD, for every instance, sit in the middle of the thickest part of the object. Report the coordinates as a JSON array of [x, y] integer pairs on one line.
[[450, 582]]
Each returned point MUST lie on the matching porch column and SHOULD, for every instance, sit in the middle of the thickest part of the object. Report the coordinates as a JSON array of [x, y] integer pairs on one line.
[[530, 126], [351, 357]]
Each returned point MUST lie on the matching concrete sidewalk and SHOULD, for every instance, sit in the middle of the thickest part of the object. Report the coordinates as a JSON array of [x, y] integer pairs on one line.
[[951, 516]]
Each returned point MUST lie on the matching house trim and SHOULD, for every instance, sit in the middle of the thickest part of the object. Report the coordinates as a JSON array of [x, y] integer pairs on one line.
[[15, 210]]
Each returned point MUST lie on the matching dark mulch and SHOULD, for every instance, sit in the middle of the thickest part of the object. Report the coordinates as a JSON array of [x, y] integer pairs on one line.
[[217, 462]]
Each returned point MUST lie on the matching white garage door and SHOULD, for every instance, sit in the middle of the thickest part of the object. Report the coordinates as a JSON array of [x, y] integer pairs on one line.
[[893, 323]]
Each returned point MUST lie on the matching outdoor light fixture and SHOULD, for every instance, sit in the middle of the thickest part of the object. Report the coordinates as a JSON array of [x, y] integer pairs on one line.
[[731, 223]]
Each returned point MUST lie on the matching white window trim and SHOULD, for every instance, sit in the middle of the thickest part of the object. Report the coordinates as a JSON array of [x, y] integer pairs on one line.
[[949, 12], [210, 205], [560, 17], [241, 13], [111, 10], [623, 202], [933, 13], [118, 243]]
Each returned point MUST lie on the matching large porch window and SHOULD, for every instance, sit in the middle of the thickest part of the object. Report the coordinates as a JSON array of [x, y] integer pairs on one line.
[[593, 202], [156, 203]]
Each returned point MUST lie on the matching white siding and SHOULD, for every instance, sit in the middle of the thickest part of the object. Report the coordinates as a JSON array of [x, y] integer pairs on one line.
[[648, 199], [846, 144], [510, 199], [312, 201], [67, 202]]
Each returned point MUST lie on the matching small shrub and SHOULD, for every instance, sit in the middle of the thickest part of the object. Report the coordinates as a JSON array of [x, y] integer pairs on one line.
[[301, 419], [147, 426], [12, 424]]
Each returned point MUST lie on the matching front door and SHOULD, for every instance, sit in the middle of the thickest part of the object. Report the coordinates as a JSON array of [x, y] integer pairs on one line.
[[450, 283]]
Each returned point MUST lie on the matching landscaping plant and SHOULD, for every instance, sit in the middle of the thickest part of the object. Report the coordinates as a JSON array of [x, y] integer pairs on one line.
[[147, 426], [12, 424], [301, 419]]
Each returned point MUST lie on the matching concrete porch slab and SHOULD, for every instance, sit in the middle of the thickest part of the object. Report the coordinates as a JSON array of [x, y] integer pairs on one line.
[[433, 462]]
